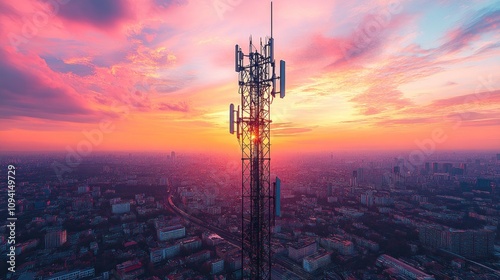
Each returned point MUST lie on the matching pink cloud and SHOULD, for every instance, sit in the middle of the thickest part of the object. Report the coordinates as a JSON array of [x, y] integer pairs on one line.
[[379, 99], [38, 93]]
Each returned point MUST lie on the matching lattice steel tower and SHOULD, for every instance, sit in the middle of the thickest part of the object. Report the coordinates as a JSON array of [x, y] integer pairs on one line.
[[257, 83]]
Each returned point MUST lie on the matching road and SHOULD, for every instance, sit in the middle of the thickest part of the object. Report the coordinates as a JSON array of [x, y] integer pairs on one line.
[[292, 268], [231, 238]]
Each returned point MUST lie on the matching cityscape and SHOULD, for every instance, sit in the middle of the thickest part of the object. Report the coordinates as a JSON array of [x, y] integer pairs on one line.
[[177, 216], [362, 140]]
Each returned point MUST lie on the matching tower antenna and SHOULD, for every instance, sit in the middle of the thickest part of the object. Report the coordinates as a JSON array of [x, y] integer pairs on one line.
[[257, 88]]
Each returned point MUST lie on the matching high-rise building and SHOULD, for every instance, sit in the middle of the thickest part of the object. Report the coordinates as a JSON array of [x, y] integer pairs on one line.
[[354, 179], [397, 170], [361, 175], [435, 167], [367, 199], [397, 174], [463, 166], [447, 167], [55, 238]]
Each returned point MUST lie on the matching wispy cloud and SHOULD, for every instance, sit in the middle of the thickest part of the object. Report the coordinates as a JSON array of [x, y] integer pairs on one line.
[[178, 107]]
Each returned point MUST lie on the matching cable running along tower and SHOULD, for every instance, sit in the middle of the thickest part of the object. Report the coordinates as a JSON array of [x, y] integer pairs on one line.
[[257, 87]]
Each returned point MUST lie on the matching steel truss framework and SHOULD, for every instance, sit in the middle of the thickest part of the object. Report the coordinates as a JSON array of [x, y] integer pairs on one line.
[[255, 87]]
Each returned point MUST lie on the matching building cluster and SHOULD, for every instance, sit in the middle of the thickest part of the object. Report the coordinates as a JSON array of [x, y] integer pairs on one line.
[[468, 243], [388, 218]]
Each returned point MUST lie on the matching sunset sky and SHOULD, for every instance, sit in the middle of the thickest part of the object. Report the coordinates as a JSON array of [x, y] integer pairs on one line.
[[360, 74]]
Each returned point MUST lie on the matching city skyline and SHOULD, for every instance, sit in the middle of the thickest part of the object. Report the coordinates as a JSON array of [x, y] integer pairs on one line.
[[154, 217], [380, 75]]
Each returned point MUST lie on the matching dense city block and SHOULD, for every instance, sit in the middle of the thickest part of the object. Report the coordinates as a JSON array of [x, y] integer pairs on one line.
[[178, 216]]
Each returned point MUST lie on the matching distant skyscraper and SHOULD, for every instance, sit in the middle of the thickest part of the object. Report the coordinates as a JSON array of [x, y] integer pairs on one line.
[[278, 197], [361, 175], [172, 155], [163, 181], [397, 174], [83, 189], [329, 190], [447, 167], [463, 166], [435, 167], [367, 199], [396, 170]]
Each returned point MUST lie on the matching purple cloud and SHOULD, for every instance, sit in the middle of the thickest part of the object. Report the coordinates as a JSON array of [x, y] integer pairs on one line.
[[99, 13]]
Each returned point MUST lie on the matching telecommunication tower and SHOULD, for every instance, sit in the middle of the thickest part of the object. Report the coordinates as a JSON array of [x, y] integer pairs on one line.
[[257, 87]]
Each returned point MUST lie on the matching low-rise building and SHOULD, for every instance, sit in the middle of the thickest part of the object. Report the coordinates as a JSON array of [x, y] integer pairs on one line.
[[129, 270], [403, 268], [72, 274], [120, 208], [315, 261], [171, 232], [343, 247], [300, 250]]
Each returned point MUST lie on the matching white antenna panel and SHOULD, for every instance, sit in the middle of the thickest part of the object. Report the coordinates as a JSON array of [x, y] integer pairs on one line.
[[271, 45], [282, 78], [231, 118], [236, 58], [274, 85]]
